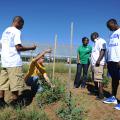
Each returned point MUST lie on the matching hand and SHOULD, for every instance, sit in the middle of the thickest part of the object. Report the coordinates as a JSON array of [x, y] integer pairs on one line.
[[78, 61], [97, 63], [118, 64], [48, 50], [33, 47], [52, 86]]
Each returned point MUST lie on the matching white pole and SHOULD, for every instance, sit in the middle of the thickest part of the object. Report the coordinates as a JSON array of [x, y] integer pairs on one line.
[[71, 46], [55, 46], [69, 78]]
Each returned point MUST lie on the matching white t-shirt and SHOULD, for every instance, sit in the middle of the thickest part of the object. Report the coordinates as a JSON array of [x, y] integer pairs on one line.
[[98, 46], [114, 47], [10, 57]]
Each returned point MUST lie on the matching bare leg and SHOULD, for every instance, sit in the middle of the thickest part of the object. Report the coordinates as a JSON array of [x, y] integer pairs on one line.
[[2, 102], [15, 95], [101, 96], [2, 94]]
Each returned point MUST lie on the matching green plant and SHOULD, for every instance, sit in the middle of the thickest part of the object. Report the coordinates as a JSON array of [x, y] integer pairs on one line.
[[60, 68], [106, 78], [25, 68], [106, 81], [69, 111], [5, 115], [51, 95], [24, 114], [30, 115]]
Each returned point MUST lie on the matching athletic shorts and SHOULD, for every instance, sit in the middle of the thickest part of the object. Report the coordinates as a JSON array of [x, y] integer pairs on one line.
[[98, 73], [11, 79]]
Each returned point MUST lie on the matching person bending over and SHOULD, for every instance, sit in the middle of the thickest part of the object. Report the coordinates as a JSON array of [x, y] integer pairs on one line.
[[36, 71]]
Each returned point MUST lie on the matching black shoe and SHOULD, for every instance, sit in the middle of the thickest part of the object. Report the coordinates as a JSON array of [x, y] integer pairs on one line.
[[3, 104], [76, 86], [83, 85], [16, 104], [100, 97]]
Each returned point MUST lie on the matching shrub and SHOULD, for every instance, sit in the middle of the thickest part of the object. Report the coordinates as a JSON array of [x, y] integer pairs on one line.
[[69, 111], [106, 78], [49, 95], [25, 68], [10, 114]]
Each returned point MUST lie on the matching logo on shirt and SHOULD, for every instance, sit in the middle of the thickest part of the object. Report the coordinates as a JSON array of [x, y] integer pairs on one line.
[[115, 36], [8, 33], [113, 44]]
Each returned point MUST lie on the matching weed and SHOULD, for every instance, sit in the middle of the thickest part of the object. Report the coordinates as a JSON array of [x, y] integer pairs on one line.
[[69, 111], [49, 95], [10, 114]]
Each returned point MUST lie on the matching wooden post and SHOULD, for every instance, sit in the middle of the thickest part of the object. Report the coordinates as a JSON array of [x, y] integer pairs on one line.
[[71, 46], [69, 77], [55, 46]]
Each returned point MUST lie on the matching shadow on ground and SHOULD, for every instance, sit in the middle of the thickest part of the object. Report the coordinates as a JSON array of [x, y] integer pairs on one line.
[[93, 91], [26, 97]]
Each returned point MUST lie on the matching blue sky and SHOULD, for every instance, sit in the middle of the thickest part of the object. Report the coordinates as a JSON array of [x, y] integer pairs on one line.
[[45, 18]]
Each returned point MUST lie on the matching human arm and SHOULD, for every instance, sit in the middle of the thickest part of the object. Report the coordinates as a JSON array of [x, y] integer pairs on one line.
[[30, 71], [78, 55], [102, 53], [19, 47], [41, 54], [34, 63], [102, 49], [78, 58], [48, 80], [18, 43]]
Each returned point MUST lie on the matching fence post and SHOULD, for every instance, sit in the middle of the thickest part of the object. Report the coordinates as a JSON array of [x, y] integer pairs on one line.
[[55, 46], [71, 46], [69, 75]]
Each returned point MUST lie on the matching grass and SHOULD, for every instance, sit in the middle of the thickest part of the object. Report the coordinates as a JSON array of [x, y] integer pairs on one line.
[[24, 114], [51, 95], [60, 68], [70, 108], [25, 68]]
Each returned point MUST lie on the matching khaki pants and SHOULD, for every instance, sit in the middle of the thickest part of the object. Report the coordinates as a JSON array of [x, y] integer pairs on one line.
[[98, 73], [11, 79]]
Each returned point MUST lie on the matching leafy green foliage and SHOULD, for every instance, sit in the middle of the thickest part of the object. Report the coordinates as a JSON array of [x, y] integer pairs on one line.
[[69, 111], [10, 114], [60, 68], [25, 68], [51, 95]]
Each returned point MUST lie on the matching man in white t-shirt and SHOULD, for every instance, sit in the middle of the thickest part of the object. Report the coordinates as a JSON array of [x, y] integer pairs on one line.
[[11, 73], [114, 60], [98, 62]]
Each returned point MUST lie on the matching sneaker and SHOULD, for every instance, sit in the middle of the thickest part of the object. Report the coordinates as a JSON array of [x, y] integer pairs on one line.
[[110, 100], [83, 85], [117, 107]]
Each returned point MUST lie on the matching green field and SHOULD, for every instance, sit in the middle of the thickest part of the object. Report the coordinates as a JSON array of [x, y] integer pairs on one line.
[[63, 103]]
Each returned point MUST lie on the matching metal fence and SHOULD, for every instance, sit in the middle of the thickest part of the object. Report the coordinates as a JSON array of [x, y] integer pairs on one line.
[[62, 52]]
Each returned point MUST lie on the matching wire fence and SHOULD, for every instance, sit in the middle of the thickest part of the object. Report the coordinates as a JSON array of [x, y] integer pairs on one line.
[[62, 52]]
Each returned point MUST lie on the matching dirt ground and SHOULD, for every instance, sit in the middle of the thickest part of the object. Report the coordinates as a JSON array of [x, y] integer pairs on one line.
[[96, 109]]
